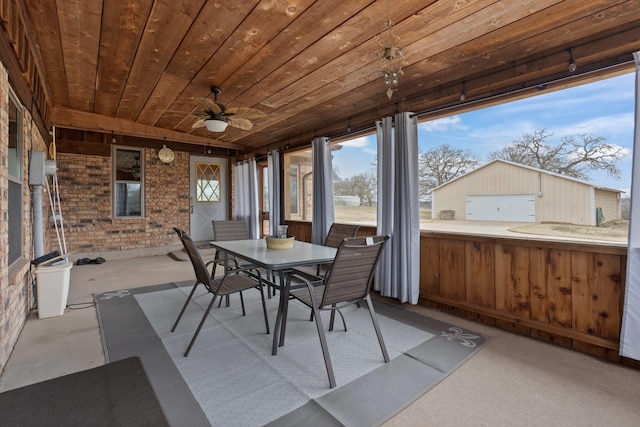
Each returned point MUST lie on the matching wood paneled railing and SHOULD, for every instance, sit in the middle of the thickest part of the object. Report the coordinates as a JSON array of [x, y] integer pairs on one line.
[[564, 292], [567, 293]]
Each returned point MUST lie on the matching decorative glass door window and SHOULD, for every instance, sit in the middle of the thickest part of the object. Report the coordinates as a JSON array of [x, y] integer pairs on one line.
[[207, 182]]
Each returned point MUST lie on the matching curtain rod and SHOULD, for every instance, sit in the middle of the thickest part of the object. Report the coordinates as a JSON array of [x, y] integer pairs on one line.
[[539, 86]]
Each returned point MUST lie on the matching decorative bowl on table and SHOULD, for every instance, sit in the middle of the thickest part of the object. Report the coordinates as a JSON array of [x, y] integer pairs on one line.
[[279, 242]]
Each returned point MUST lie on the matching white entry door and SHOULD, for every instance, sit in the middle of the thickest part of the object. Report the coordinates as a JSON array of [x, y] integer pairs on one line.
[[207, 195]]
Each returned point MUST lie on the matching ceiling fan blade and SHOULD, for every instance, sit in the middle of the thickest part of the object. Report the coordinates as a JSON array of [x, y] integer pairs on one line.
[[239, 122], [208, 104], [198, 124], [177, 111], [246, 112]]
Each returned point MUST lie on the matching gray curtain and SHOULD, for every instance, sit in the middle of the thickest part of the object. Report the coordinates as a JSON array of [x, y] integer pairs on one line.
[[323, 209], [630, 333], [246, 205], [398, 274], [275, 172]]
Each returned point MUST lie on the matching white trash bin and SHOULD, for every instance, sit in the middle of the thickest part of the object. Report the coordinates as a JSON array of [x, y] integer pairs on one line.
[[52, 287]]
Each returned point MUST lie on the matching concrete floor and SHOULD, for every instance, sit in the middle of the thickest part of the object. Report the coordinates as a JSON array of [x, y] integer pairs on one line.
[[512, 381]]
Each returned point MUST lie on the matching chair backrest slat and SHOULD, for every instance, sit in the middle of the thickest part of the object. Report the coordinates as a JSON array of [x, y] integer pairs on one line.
[[338, 232], [199, 267], [230, 230], [352, 272]]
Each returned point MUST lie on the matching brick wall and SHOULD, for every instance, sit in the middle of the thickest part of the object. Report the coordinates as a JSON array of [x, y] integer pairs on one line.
[[85, 194], [15, 290]]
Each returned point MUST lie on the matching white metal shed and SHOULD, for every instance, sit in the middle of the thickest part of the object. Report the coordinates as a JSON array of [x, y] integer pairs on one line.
[[506, 191]]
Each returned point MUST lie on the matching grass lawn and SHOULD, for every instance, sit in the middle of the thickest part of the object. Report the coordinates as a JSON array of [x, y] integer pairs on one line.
[[366, 215], [616, 231]]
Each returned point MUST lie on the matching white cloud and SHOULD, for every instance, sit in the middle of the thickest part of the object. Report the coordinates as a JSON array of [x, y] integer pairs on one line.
[[600, 93], [443, 124], [619, 124], [361, 142]]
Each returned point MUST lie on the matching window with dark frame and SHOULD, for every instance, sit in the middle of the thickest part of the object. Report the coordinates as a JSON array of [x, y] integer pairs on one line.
[[14, 163], [128, 186], [294, 186]]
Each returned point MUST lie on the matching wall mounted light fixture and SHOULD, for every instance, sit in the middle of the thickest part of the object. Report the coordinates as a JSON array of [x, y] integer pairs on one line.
[[572, 62]]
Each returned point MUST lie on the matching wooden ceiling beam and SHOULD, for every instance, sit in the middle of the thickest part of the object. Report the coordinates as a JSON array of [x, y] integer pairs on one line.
[[80, 120]]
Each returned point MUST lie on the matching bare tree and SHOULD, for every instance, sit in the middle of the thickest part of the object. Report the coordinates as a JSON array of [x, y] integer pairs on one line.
[[362, 185], [442, 164], [574, 156]]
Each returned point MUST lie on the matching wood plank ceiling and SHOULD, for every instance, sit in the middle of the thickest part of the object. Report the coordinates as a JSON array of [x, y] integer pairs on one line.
[[137, 66]]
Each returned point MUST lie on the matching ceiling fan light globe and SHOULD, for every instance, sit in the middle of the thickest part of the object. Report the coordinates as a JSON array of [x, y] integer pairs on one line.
[[214, 125]]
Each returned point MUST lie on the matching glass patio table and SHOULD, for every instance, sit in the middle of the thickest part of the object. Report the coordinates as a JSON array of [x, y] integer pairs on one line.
[[277, 261]]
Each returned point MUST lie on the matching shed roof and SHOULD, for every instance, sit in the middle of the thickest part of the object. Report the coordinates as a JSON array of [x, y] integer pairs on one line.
[[531, 168]]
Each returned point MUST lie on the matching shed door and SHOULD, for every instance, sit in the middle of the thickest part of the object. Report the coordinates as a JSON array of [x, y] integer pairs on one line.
[[502, 207]]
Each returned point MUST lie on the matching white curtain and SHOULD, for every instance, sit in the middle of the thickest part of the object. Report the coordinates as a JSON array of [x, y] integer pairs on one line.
[[323, 209], [274, 182], [398, 274], [246, 205], [630, 334]]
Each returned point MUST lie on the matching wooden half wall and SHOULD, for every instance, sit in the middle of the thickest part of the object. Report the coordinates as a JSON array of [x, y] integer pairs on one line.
[[564, 292]]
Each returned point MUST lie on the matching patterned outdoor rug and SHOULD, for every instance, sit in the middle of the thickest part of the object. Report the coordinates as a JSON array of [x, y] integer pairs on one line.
[[231, 378]]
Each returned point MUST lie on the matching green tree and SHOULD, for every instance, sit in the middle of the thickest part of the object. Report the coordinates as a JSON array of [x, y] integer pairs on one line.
[[573, 156]]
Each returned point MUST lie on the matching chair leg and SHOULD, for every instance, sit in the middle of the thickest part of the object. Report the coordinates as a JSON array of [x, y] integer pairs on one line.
[[325, 348], [244, 313], [333, 317], [204, 318], [284, 297], [270, 278], [372, 313], [264, 307], [184, 307], [226, 298]]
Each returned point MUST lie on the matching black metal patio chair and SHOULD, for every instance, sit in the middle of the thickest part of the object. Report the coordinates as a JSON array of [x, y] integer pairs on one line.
[[234, 280], [347, 282]]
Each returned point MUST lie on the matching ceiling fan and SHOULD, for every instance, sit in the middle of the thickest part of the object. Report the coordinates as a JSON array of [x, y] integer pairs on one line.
[[131, 165], [219, 116]]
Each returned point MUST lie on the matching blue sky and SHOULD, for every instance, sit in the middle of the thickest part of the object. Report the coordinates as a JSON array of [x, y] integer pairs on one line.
[[604, 108]]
